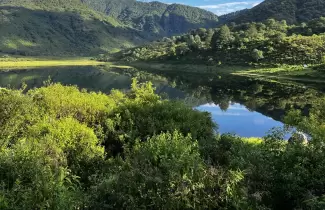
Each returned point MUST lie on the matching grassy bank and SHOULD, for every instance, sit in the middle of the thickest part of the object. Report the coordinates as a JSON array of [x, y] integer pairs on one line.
[[315, 74], [46, 62], [290, 73]]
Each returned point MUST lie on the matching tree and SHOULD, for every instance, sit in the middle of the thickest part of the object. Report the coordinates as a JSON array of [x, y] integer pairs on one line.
[[257, 55], [222, 37], [252, 32], [194, 42], [208, 37], [198, 41]]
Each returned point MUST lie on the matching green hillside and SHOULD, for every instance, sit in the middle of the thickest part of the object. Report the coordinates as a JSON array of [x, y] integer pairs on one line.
[[292, 11], [59, 27], [268, 43], [74, 27]]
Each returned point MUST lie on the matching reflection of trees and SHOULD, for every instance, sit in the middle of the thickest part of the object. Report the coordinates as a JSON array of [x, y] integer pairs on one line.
[[251, 105], [281, 104], [222, 99], [224, 105], [267, 97], [257, 88]]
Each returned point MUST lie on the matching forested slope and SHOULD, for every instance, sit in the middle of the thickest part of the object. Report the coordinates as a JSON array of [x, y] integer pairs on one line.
[[271, 42], [293, 11], [156, 18]]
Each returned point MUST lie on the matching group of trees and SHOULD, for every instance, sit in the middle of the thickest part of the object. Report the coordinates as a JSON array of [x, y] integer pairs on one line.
[[64, 148], [270, 42]]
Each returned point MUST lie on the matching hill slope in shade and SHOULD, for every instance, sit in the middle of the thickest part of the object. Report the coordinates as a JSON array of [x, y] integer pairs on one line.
[[293, 11], [58, 27]]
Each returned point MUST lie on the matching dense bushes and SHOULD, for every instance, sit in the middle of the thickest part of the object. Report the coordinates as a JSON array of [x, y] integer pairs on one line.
[[165, 172], [53, 141], [62, 148]]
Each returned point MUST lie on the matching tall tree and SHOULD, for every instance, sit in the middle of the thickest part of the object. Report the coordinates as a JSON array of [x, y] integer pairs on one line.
[[252, 32], [222, 37], [208, 37]]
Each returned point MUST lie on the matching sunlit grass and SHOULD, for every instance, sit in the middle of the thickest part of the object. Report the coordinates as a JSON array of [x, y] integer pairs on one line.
[[277, 70], [18, 63]]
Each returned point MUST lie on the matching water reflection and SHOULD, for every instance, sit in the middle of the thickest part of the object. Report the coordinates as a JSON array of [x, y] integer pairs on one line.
[[239, 120], [91, 78], [258, 105]]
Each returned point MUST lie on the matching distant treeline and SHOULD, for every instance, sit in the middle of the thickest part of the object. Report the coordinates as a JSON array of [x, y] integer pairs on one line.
[[270, 42]]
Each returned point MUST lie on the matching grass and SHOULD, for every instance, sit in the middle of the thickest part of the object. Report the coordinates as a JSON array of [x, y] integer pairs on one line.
[[293, 73], [14, 63]]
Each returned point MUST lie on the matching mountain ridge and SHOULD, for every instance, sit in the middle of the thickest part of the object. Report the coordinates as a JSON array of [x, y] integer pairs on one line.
[[293, 11], [155, 16]]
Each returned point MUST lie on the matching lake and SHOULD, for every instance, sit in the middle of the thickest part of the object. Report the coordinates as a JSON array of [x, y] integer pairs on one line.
[[246, 106], [240, 121]]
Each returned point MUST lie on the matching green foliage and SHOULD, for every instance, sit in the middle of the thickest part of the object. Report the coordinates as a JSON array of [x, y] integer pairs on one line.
[[62, 101], [62, 148], [146, 115], [72, 144], [222, 37], [257, 54], [269, 43], [55, 140], [16, 112], [30, 178], [165, 172], [278, 175]]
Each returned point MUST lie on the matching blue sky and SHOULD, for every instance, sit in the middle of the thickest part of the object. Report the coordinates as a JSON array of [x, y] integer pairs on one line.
[[218, 7]]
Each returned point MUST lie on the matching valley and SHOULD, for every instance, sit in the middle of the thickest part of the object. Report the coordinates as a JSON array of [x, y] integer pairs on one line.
[[126, 104]]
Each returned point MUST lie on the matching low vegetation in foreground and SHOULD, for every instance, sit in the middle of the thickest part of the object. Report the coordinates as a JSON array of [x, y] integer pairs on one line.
[[65, 148]]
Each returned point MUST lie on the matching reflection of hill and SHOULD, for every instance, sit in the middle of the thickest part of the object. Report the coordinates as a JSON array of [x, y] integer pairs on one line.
[[91, 78], [269, 98]]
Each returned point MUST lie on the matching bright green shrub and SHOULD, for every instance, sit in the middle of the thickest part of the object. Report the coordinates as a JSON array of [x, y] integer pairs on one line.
[[17, 111], [144, 114], [31, 178], [74, 145], [67, 101]]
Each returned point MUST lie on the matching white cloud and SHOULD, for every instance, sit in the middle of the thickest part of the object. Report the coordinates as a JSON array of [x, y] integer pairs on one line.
[[225, 8]]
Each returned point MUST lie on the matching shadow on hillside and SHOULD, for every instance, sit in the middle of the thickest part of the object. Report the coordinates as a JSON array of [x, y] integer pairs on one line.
[[37, 32], [177, 24]]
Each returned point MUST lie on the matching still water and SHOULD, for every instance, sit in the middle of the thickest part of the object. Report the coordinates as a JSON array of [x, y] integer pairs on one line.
[[240, 121], [244, 106]]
